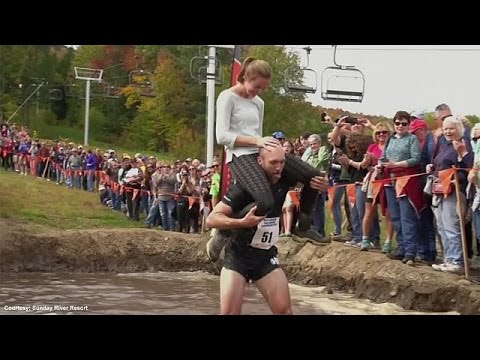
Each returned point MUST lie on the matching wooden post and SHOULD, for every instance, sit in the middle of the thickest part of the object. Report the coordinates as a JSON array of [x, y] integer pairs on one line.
[[46, 167], [461, 211]]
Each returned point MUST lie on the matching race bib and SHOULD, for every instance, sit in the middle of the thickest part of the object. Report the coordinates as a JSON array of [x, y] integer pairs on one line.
[[267, 234]]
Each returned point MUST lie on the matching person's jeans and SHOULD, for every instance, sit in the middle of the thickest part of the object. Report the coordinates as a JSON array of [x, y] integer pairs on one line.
[[167, 207], [59, 179], [153, 214], [357, 213], [75, 177], [91, 180], [476, 224], [448, 224], [405, 222], [116, 199], [427, 245], [337, 208], [146, 202], [318, 213]]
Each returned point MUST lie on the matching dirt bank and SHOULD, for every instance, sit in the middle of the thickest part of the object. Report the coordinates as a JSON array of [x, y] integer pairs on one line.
[[366, 274]]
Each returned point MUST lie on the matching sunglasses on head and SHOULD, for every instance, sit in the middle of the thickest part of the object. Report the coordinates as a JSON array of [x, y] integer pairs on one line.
[[402, 123], [382, 132]]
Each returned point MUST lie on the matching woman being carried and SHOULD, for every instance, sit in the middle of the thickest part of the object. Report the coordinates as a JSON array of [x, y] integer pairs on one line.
[[240, 113]]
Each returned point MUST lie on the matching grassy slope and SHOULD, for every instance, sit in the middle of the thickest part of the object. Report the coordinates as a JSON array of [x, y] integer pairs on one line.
[[77, 136], [44, 203]]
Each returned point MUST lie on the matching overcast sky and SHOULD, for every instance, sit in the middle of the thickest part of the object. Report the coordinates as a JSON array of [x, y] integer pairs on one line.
[[404, 77]]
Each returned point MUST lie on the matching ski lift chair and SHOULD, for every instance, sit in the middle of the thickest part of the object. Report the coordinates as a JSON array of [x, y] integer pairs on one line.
[[143, 81], [301, 79], [55, 94], [342, 82], [337, 87], [199, 70]]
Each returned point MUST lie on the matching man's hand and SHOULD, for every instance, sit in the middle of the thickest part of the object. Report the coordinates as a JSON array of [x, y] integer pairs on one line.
[[251, 220], [319, 183]]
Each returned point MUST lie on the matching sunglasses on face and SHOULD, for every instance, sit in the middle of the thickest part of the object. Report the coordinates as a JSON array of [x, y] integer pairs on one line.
[[401, 123], [381, 133]]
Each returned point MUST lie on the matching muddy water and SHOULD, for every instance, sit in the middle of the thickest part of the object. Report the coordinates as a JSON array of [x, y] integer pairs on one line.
[[190, 293]]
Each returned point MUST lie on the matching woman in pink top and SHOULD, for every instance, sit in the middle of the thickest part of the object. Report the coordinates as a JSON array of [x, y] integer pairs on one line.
[[381, 132]]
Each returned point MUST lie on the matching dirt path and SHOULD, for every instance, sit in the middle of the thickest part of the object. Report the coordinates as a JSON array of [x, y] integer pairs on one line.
[[367, 274]]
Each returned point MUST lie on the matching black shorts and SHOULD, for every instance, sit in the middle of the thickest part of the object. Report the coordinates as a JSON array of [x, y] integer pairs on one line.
[[253, 264]]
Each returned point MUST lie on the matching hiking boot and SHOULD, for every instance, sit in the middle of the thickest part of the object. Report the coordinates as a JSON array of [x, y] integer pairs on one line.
[[365, 245], [340, 237], [215, 245], [421, 261], [387, 247], [353, 243], [311, 236], [409, 260], [395, 256]]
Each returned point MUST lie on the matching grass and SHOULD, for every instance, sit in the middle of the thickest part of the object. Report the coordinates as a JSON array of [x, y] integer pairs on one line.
[[42, 202], [77, 136]]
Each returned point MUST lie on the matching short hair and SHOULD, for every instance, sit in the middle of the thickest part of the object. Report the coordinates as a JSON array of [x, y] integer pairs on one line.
[[455, 120], [402, 115], [442, 107], [314, 137]]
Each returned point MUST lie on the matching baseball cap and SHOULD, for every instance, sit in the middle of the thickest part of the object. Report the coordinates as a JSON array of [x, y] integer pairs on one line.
[[417, 114], [417, 124], [278, 135]]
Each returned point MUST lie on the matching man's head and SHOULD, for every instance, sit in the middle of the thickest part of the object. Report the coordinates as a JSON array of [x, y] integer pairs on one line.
[[419, 129], [314, 142], [441, 112], [272, 162], [279, 135]]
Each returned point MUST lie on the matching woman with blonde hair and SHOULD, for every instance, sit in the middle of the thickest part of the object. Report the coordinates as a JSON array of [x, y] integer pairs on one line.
[[381, 133], [239, 127]]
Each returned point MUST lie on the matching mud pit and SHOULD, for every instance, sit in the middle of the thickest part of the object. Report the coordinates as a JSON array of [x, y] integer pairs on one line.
[[24, 248]]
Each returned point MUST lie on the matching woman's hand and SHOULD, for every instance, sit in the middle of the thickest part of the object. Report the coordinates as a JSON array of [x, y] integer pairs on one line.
[[366, 123], [460, 147], [472, 176], [268, 143]]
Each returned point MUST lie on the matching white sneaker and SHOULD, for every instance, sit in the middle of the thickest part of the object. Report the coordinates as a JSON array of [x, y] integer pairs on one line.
[[453, 268], [439, 267]]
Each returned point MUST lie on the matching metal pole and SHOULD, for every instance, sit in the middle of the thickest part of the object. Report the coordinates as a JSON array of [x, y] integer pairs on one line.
[[87, 111], [38, 107], [210, 104], [28, 98]]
